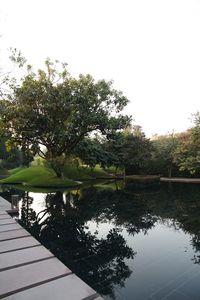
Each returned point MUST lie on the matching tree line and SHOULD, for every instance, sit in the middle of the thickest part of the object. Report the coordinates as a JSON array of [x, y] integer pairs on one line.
[[53, 115]]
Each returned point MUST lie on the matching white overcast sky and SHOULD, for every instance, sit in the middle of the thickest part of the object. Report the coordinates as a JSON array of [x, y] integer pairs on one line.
[[150, 48]]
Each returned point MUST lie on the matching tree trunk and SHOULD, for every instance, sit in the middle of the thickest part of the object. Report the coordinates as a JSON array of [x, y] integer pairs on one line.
[[170, 171], [59, 174]]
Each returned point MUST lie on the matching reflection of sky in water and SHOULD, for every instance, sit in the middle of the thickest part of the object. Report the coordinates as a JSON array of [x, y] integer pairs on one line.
[[101, 228], [164, 255], [163, 266], [38, 203]]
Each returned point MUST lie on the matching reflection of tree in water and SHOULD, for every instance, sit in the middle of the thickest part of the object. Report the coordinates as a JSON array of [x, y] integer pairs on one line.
[[178, 204], [62, 227], [124, 209], [27, 214], [98, 261], [181, 204], [188, 214]]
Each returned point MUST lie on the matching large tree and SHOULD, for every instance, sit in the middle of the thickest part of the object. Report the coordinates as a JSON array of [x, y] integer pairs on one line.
[[50, 112]]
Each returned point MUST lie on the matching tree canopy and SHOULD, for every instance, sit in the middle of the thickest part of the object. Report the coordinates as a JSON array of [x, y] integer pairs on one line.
[[51, 110]]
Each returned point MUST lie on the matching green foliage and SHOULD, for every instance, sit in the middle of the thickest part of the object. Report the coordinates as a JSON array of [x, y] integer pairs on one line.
[[164, 155], [71, 171], [17, 57], [92, 152], [57, 111], [10, 155], [189, 149], [137, 153], [130, 150]]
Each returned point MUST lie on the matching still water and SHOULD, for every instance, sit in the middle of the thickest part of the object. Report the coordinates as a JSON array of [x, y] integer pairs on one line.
[[125, 243]]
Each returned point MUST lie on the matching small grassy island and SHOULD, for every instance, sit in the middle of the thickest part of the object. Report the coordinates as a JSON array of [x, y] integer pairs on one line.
[[40, 176], [37, 176]]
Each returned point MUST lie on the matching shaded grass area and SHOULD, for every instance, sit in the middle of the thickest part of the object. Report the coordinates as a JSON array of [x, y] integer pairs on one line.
[[37, 176], [15, 170], [72, 172]]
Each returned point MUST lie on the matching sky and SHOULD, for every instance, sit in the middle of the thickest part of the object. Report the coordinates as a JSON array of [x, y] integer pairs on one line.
[[149, 48]]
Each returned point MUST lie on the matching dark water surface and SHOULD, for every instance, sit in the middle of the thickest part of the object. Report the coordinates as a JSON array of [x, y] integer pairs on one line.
[[126, 244]]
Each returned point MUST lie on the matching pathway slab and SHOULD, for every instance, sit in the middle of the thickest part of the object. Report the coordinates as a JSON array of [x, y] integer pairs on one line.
[[7, 221], [5, 216], [4, 204], [13, 234], [24, 256], [26, 276], [9, 227], [11, 245], [70, 287], [29, 271]]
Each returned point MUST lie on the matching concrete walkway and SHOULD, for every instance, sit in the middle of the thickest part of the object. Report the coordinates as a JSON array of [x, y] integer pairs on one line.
[[28, 271]]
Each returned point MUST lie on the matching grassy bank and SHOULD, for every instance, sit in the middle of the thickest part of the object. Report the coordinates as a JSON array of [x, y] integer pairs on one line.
[[40, 176], [37, 176]]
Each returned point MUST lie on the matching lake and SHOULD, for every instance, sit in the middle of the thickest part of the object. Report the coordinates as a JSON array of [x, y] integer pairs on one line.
[[126, 243]]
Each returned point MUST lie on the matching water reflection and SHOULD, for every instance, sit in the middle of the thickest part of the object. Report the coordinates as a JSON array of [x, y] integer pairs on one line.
[[61, 228], [106, 259]]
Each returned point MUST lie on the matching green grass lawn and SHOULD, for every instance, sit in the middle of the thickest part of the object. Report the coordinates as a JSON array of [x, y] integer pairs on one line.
[[15, 170], [37, 176], [40, 176]]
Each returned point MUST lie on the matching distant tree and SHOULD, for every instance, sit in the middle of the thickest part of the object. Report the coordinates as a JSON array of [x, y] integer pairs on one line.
[[130, 150], [189, 149], [138, 151], [164, 155], [10, 157], [56, 111]]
